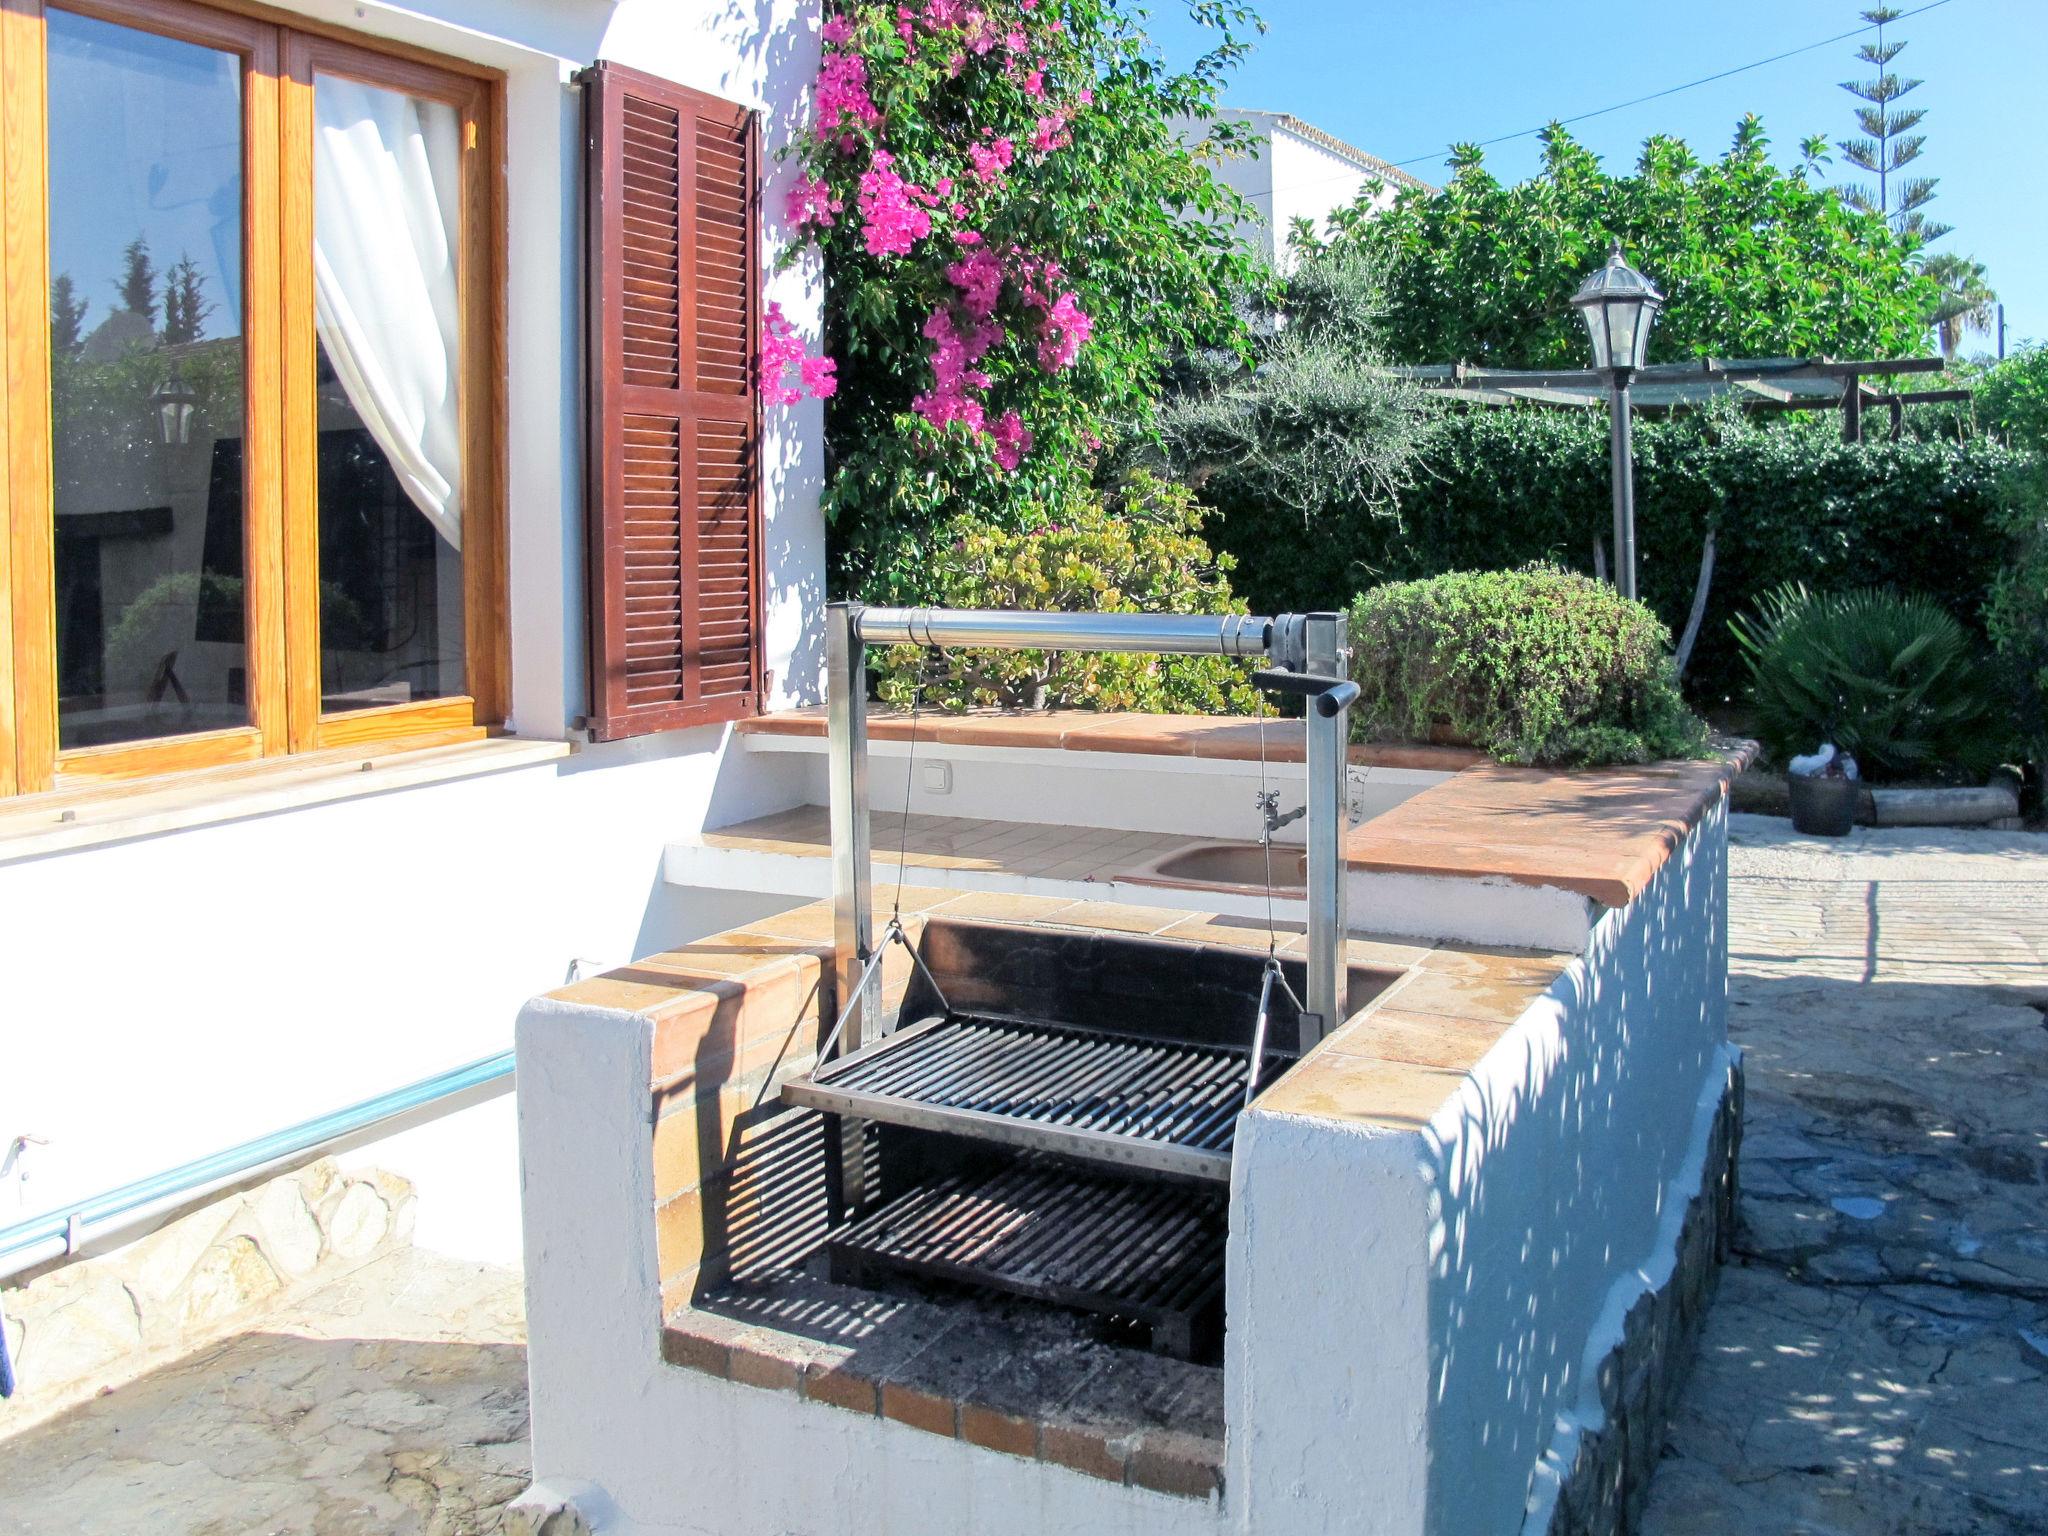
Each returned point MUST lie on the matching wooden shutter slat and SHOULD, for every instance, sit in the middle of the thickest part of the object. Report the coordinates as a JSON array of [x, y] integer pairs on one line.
[[674, 237]]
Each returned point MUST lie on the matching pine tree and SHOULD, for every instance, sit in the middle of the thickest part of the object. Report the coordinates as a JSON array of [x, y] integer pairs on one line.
[[1890, 145], [137, 286], [67, 316], [185, 303]]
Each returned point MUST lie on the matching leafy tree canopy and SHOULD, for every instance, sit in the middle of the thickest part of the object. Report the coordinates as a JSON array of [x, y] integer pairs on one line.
[[1754, 260]]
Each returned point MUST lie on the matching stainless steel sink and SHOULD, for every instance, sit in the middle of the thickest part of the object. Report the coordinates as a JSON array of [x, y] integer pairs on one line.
[[1230, 866]]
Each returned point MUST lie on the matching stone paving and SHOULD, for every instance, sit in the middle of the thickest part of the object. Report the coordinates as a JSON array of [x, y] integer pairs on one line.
[[390, 1403], [1876, 1362]]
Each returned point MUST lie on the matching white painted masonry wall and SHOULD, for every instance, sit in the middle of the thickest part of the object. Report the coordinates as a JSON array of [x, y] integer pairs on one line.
[[1410, 1314], [168, 996]]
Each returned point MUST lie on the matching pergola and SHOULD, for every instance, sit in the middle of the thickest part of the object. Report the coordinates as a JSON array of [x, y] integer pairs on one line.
[[1773, 383]]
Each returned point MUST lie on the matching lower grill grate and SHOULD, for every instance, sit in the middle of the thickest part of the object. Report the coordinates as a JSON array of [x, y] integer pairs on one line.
[[1123, 1100], [1146, 1251]]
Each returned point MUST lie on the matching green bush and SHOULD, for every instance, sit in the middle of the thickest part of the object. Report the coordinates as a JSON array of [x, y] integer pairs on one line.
[[1142, 554], [2012, 399], [1893, 681], [1534, 666], [1787, 499]]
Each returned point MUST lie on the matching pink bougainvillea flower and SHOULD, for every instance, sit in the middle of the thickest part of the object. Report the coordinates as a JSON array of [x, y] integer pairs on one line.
[[992, 160], [842, 95], [1085, 96], [956, 383], [979, 277], [1034, 84], [1050, 133], [1013, 440], [820, 376], [888, 207], [811, 202], [782, 349], [1065, 328], [837, 31]]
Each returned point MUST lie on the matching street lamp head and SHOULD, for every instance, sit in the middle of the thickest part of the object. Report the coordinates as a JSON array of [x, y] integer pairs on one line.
[[174, 401], [1619, 305]]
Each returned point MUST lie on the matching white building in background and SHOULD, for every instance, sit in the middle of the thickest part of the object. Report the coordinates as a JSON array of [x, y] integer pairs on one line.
[[1294, 170]]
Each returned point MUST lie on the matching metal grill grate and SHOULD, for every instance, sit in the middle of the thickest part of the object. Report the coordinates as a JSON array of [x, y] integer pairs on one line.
[[1146, 1251], [1163, 1105]]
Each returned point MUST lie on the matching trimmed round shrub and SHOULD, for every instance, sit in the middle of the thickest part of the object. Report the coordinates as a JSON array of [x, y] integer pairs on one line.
[[1892, 680], [1539, 666]]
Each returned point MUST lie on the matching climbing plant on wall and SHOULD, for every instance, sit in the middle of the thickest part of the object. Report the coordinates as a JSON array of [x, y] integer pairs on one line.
[[1016, 243]]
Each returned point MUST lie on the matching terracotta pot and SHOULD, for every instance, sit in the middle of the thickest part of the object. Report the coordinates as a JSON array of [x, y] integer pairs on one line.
[[1823, 807]]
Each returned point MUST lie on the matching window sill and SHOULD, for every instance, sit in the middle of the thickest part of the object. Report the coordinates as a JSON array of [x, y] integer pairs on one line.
[[84, 816]]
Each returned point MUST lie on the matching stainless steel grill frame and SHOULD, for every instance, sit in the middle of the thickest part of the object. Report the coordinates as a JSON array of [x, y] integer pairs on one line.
[[1131, 1101]]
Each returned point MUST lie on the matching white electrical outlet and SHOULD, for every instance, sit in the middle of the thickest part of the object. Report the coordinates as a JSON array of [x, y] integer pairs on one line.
[[938, 777]]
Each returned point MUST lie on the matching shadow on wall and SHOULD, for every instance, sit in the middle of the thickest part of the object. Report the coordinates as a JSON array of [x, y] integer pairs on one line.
[[1551, 1191]]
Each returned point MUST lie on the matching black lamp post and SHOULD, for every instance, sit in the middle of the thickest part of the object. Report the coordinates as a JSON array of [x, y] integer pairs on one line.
[[1619, 305]]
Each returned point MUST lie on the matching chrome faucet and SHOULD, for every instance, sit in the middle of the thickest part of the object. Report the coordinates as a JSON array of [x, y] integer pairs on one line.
[[1271, 814]]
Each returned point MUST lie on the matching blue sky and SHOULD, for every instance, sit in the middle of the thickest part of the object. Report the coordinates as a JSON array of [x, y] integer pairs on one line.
[[1404, 78]]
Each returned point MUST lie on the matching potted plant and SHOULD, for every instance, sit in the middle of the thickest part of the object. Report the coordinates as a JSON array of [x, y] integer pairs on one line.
[[1825, 793]]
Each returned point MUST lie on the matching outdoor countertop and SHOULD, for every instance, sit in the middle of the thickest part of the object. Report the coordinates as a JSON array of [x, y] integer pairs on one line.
[[1602, 833]]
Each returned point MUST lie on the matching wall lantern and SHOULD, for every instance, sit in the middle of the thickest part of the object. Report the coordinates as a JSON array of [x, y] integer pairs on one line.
[[1619, 306], [175, 400]]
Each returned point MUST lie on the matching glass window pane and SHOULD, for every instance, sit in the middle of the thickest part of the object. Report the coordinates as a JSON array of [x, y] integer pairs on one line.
[[146, 383], [386, 213]]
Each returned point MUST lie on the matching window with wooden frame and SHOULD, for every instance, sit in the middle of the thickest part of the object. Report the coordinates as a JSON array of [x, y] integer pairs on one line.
[[674, 504], [252, 391]]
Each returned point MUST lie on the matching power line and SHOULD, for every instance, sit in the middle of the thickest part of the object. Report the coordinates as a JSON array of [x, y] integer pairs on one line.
[[1740, 69], [1826, 42]]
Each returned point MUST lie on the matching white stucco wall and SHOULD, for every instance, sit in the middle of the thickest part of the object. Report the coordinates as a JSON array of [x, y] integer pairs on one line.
[[1413, 1315], [168, 996]]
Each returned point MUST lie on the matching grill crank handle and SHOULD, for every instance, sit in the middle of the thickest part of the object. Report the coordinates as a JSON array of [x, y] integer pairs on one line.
[[1330, 695]]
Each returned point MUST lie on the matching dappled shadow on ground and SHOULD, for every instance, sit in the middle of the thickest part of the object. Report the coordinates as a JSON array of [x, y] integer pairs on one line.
[[277, 1432], [1877, 1360]]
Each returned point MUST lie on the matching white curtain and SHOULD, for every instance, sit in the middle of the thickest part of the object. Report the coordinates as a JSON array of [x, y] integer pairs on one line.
[[386, 174]]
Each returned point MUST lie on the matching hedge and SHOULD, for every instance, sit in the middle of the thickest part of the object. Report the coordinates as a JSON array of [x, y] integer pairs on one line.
[[1496, 489]]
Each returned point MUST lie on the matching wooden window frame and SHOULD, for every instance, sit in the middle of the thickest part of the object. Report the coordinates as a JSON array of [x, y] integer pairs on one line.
[[280, 56]]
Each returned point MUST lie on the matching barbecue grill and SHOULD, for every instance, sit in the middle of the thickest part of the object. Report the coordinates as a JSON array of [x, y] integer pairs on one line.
[[1055, 1110]]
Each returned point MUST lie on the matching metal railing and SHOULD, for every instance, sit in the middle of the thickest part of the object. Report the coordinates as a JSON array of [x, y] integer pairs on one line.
[[66, 1230]]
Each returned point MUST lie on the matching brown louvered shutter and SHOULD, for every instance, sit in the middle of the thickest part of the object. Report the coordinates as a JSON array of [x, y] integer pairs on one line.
[[674, 514]]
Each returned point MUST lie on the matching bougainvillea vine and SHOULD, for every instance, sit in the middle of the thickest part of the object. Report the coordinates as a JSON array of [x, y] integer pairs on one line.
[[1016, 242]]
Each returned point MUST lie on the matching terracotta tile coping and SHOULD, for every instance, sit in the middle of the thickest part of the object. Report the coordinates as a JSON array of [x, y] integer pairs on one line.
[[1601, 832], [1082, 730], [1020, 1383]]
